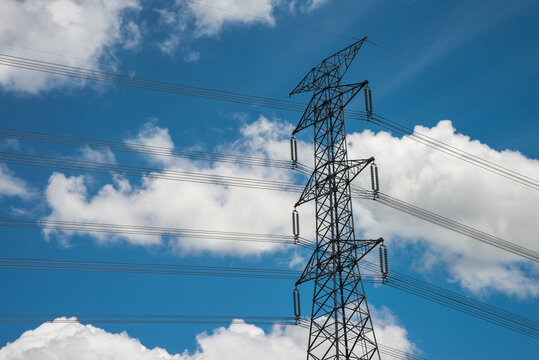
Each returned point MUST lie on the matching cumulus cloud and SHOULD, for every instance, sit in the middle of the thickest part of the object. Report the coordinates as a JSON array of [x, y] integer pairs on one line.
[[408, 171], [85, 31], [10, 185], [238, 341], [241, 341], [434, 181], [54, 341], [175, 204]]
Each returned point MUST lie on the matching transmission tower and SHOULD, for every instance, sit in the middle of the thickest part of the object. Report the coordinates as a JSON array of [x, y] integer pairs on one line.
[[341, 325]]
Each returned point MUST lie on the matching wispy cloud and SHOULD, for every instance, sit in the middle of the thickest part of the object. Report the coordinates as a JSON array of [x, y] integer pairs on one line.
[[11, 185], [464, 23]]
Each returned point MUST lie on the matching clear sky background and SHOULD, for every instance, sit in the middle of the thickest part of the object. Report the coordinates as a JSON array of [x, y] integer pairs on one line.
[[250, 47]]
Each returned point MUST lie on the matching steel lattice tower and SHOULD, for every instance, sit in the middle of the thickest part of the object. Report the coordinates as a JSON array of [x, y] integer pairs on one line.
[[341, 325]]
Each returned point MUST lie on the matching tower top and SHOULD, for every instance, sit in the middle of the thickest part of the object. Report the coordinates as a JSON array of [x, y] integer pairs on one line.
[[330, 71]]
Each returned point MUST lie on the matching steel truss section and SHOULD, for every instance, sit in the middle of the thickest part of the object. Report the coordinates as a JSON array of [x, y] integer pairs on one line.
[[341, 325]]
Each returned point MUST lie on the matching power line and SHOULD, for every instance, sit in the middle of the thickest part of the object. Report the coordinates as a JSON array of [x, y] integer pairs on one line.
[[144, 268], [43, 51], [382, 198], [395, 280], [144, 319], [456, 226], [175, 175], [455, 152], [245, 99], [137, 171], [348, 36], [34, 136], [127, 229], [148, 84], [398, 354], [154, 269], [454, 78], [384, 48], [461, 303], [25, 135]]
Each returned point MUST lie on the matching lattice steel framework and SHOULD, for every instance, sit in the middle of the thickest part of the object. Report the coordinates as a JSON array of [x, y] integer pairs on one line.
[[341, 326]]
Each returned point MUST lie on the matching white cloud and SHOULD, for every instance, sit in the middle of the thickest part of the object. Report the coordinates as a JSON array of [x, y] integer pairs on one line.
[[390, 332], [431, 180], [243, 341], [151, 135], [239, 341], [85, 31], [195, 19], [10, 185], [408, 171], [211, 18], [165, 203], [59, 341], [311, 5], [102, 155]]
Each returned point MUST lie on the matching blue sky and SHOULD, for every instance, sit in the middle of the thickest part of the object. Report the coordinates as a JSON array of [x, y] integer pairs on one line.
[[492, 45]]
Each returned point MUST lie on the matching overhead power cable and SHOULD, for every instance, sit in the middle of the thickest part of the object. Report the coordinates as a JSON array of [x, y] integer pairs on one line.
[[145, 268], [333, 33], [148, 84], [34, 136], [395, 353], [231, 158], [384, 48], [156, 269], [382, 198], [161, 86], [137, 171], [175, 175], [456, 301], [132, 147], [453, 77], [143, 319], [395, 280], [126, 229], [456, 226], [455, 152], [25, 135]]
